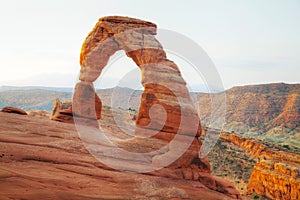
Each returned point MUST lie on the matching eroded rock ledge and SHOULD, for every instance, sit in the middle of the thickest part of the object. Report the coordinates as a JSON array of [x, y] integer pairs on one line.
[[10, 109], [275, 179], [275, 175]]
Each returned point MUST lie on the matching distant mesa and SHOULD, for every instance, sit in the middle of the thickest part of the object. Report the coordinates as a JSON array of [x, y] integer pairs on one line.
[[10, 109]]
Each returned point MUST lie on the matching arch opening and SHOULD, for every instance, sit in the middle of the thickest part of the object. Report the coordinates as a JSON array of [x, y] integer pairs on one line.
[[161, 78]]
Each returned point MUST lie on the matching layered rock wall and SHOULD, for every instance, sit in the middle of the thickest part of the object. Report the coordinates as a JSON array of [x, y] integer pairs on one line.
[[276, 180], [275, 175]]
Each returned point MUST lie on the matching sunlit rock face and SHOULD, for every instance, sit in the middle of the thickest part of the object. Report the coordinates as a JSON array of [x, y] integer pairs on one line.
[[161, 78], [275, 179], [62, 112], [275, 175], [166, 108]]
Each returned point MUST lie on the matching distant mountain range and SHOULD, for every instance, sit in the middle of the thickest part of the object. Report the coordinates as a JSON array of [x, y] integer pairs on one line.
[[32, 99], [259, 107], [269, 112], [266, 110], [57, 89]]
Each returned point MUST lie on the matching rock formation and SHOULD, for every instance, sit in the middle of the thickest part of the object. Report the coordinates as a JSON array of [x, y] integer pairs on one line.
[[88, 104], [10, 109], [276, 180], [258, 150], [166, 108], [276, 174], [161, 78], [62, 112]]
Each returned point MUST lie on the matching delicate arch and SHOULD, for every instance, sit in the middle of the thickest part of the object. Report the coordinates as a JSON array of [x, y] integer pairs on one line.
[[161, 78]]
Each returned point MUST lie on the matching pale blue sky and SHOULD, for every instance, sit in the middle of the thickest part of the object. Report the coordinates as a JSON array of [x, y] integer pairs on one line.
[[250, 42]]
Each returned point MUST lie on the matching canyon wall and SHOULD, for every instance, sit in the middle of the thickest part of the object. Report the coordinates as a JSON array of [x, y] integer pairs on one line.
[[276, 174], [276, 180]]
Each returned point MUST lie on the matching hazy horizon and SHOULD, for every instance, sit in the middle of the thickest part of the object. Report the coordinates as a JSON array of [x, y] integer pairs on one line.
[[192, 88], [250, 42]]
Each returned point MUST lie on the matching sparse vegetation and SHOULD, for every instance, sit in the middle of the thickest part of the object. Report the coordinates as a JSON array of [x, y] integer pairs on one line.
[[231, 163]]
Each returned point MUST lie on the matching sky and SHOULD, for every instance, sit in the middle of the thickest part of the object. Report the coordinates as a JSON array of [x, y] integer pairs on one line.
[[249, 42]]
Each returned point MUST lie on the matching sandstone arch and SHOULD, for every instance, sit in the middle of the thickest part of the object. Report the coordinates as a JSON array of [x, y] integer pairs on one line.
[[136, 38]]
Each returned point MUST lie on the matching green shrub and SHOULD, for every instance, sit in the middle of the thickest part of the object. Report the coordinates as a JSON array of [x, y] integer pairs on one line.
[[286, 146]]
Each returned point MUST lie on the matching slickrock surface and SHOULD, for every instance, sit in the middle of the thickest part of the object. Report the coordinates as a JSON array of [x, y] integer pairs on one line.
[[45, 159], [38, 113], [10, 109]]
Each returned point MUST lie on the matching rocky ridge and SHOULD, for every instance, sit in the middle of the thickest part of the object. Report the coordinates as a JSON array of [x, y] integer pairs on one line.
[[276, 174], [268, 111]]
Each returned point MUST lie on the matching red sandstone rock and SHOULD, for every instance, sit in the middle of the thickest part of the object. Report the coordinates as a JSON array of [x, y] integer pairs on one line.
[[160, 77], [275, 180], [276, 175], [257, 149], [49, 161], [166, 109], [86, 102], [10, 109], [62, 112], [166, 106]]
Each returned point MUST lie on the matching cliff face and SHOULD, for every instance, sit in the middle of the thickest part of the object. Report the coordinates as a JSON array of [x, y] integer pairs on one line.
[[289, 116], [258, 150], [276, 175], [275, 180]]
